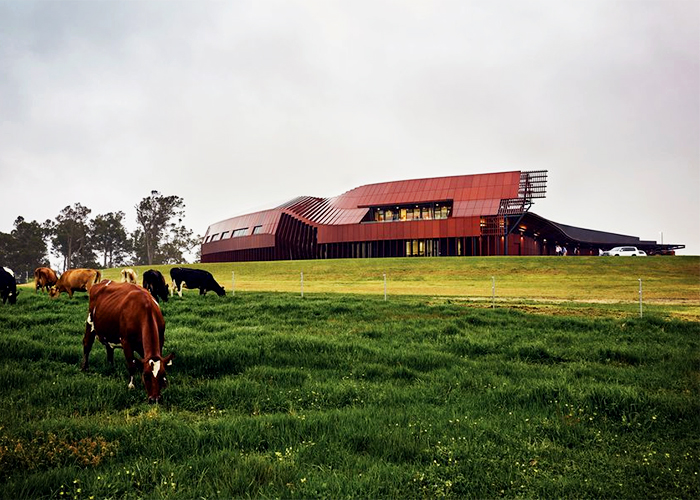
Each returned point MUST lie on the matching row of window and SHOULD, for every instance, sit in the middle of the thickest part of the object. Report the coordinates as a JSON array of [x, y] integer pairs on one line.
[[238, 232], [427, 211]]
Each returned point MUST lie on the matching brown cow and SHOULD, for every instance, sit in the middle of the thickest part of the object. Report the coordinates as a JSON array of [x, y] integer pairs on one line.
[[44, 279], [75, 279], [124, 315]]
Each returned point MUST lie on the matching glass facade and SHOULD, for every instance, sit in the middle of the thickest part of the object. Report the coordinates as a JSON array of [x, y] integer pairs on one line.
[[400, 213]]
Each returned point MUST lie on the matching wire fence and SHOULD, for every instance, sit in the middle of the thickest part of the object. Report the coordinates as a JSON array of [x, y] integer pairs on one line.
[[632, 292]]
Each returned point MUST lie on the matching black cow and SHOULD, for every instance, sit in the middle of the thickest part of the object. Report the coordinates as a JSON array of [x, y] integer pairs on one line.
[[194, 278], [154, 282], [8, 286]]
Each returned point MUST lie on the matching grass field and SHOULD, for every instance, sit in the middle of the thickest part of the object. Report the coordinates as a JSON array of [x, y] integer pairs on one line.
[[552, 393], [538, 282]]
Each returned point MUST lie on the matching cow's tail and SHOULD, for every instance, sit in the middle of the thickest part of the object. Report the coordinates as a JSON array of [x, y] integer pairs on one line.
[[98, 276]]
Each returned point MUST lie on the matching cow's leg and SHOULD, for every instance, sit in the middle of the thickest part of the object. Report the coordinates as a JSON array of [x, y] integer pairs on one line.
[[131, 363], [202, 291], [110, 354], [179, 289], [88, 340]]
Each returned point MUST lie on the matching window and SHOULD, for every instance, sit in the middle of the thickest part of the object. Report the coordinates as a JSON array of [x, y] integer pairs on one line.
[[224, 234], [239, 232], [257, 230], [421, 211], [214, 236]]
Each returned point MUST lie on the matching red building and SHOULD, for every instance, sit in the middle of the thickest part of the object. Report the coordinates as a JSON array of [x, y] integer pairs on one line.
[[485, 214]]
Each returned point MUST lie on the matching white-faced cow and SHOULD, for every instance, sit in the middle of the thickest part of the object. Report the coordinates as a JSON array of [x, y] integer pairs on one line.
[[124, 315], [194, 278], [75, 280], [44, 279], [8, 286], [129, 276], [154, 282]]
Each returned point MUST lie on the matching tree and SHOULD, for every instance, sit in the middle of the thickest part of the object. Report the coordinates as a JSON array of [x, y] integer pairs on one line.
[[70, 237], [109, 238], [159, 239], [178, 241], [24, 248]]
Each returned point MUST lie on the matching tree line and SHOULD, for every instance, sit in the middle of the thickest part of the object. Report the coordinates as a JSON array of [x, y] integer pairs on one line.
[[102, 241]]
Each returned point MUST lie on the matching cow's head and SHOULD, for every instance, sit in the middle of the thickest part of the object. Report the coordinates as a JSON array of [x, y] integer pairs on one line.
[[10, 296], [53, 292], [220, 291], [154, 376]]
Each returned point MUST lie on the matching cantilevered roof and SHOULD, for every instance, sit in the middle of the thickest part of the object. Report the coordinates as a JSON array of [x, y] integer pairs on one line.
[[563, 233]]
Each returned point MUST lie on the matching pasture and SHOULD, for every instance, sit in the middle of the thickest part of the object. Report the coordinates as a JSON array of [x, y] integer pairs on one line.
[[560, 390]]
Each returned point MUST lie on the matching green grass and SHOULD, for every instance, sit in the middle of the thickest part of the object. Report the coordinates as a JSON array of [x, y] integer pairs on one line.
[[348, 395], [665, 279]]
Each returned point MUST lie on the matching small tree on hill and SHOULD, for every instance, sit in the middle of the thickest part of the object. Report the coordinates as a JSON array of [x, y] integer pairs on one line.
[[110, 239], [71, 237], [24, 248], [159, 239]]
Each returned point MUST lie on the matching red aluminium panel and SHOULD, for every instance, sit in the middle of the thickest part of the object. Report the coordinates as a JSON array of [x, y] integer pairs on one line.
[[339, 219]]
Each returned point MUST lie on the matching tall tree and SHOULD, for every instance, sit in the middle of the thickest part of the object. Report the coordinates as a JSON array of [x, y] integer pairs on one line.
[[176, 243], [157, 231], [109, 238], [24, 248], [70, 237]]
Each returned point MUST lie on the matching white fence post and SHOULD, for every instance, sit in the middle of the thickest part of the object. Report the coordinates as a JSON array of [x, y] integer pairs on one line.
[[233, 283], [302, 284], [384, 287], [640, 297], [493, 292]]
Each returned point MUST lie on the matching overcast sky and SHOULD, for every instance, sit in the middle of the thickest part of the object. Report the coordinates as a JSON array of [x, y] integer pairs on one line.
[[238, 106]]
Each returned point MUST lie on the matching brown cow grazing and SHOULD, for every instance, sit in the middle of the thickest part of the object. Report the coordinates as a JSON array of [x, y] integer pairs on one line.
[[75, 279], [124, 315], [44, 279], [129, 276]]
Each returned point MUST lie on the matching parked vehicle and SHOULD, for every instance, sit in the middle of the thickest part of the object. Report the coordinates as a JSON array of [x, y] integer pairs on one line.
[[625, 252]]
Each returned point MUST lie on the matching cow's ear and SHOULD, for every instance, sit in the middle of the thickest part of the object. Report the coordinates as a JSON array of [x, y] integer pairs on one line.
[[138, 362], [168, 360]]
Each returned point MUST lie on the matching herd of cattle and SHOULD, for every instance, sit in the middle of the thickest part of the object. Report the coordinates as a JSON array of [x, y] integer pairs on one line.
[[121, 314]]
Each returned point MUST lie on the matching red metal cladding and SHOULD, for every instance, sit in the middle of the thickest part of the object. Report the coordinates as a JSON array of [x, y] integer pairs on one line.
[[343, 219]]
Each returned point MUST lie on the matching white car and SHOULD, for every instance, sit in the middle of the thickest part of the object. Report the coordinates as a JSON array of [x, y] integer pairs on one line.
[[625, 252]]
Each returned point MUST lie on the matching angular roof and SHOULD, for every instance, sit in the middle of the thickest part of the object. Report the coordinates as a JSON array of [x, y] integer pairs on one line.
[[471, 195]]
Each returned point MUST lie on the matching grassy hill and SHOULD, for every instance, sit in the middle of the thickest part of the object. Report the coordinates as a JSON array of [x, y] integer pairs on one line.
[[671, 282]]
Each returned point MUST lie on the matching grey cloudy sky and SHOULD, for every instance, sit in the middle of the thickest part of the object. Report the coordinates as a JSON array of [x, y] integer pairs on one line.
[[238, 106]]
